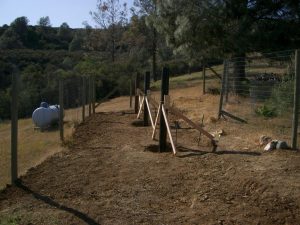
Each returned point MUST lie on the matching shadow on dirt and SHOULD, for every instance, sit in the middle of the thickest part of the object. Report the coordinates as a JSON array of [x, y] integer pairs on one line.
[[155, 148], [85, 218], [193, 152], [137, 123]]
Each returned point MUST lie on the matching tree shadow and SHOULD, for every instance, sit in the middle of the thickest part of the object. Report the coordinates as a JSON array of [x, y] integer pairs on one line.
[[194, 152], [85, 218]]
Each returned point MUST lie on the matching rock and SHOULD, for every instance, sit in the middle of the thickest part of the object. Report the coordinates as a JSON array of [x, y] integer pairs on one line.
[[276, 144], [271, 145], [263, 140], [282, 145]]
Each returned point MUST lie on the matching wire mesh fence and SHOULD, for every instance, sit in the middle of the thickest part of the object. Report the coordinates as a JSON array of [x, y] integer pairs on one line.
[[259, 90], [38, 131]]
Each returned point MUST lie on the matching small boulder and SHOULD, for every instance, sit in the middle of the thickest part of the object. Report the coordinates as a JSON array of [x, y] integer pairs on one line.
[[263, 140], [271, 145], [282, 145]]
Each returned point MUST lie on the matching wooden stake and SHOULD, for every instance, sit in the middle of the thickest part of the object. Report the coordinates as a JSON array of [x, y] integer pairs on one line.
[[168, 129], [156, 122], [141, 107], [146, 87], [149, 111]]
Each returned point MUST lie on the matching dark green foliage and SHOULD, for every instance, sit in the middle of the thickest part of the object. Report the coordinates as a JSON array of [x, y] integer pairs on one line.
[[266, 111]]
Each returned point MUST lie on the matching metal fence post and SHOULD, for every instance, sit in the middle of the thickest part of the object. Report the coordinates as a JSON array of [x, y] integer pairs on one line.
[[93, 95], [226, 82], [296, 99], [163, 128], [83, 97], [204, 77], [61, 109], [130, 93], [90, 95], [14, 127], [222, 90]]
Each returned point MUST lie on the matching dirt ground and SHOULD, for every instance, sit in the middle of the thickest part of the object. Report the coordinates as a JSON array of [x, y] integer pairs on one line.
[[113, 174]]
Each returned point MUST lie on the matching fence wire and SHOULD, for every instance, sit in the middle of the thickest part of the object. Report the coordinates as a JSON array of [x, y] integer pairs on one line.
[[260, 90]]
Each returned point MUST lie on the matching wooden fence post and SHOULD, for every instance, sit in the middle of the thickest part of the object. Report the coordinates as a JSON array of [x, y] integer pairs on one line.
[[163, 128], [90, 95], [61, 109], [136, 100], [130, 93], [93, 95], [222, 90], [203, 77], [146, 87], [14, 126], [83, 97], [296, 99]]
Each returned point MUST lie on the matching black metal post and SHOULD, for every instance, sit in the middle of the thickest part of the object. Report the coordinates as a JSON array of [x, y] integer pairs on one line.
[[163, 128]]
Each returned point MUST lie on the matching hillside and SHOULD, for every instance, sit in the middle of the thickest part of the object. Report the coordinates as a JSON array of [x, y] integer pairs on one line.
[[112, 174]]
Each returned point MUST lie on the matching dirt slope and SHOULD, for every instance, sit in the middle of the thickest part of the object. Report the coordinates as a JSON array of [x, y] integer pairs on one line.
[[109, 176]]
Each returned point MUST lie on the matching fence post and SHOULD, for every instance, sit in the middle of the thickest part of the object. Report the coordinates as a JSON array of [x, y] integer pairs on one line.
[[130, 93], [83, 100], [226, 82], [163, 128], [146, 87], [90, 95], [203, 76], [93, 95], [61, 109], [14, 127], [296, 99], [136, 100], [222, 90]]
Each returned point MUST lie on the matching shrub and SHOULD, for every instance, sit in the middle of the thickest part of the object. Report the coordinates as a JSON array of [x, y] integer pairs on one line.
[[266, 111]]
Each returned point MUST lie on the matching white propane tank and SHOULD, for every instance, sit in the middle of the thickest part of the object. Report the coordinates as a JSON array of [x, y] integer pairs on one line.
[[45, 116]]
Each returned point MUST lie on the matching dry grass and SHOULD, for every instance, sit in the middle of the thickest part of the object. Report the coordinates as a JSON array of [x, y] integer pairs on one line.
[[34, 146]]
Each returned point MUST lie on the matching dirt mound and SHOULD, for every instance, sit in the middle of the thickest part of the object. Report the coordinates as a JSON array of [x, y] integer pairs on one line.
[[108, 177]]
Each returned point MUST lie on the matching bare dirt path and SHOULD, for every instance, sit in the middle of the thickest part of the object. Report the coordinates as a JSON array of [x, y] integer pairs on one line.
[[109, 176]]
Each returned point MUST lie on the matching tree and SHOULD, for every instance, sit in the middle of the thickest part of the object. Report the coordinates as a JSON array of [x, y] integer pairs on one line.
[[64, 32], [10, 40], [76, 43], [148, 8], [111, 16], [217, 28], [44, 22]]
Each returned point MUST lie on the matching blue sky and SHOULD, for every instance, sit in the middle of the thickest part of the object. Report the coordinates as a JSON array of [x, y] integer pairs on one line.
[[74, 12]]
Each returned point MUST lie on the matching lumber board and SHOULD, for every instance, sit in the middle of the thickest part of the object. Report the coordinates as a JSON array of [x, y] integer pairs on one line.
[[168, 129], [156, 122], [107, 96], [224, 113], [149, 111], [191, 123], [212, 70]]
